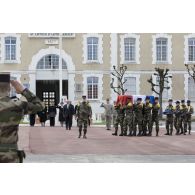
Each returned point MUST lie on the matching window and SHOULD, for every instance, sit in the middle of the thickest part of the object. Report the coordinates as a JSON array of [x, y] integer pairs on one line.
[[92, 87], [50, 62], [130, 85], [191, 49], [10, 48], [92, 48], [191, 89], [129, 48], [165, 92], [161, 49]]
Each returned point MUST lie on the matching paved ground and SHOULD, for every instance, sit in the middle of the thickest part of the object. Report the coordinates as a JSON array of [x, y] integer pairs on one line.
[[59, 145]]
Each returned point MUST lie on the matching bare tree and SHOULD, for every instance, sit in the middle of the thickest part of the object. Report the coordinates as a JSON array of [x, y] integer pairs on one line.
[[119, 75], [191, 70], [159, 87]]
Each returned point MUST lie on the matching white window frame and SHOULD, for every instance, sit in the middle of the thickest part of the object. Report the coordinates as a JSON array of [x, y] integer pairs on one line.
[[100, 49], [100, 85], [18, 49], [186, 77], [169, 49], [154, 78], [137, 49], [137, 76], [186, 50]]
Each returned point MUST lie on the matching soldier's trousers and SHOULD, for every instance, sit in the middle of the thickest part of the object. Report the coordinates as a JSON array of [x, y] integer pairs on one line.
[[177, 124], [114, 119], [82, 124], [128, 124], [188, 123], [108, 121], [155, 120], [138, 121], [169, 125], [183, 125], [118, 121], [147, 124], [9, 157]]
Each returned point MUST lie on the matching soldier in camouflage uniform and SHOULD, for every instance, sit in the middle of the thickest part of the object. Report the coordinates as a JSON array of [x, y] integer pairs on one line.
[[190, 111], [177, 119], [147, 117], [183, 122], [84, 114], [12, 111], [155, 116], [138, 117], [119, 119], [169, 112], [129, 117]]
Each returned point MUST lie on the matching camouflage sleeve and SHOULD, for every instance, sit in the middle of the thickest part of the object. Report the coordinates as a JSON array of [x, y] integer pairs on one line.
[[33, 104], [90, 111]]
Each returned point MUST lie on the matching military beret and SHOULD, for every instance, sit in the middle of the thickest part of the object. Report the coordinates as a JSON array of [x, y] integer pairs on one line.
[[5, 78], [182, 101], [84, 96], [170, 100], [156, 98], [188, 101], [147, 98], [177, 102], [139, 99]]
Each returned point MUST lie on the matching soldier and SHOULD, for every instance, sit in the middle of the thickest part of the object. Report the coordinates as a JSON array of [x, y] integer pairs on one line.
[[183, 122], [83, 113], [138, 117], [169, 111], [108, 113], [177, 119], [119, 119], [114, 113], [11, 112], [190, 111], [129, 116], [147, 117], [155, 116]]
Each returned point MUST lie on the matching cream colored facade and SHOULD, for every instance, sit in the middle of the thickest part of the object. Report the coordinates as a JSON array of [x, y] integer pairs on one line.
[[31, 48]]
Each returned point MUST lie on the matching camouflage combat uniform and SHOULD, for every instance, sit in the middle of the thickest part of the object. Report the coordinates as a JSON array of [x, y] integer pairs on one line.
[[147, 118], [119, 119], [170, 119], [190, 111], [128, 120], [83, 113], [11, 112], [138, 119], [183, 119], [155, 117], [177, 119]]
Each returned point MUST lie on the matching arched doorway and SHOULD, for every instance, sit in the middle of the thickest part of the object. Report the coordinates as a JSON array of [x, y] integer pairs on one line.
[[47, 82]]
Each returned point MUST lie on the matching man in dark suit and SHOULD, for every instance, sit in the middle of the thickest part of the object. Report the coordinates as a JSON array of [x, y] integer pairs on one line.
[[68, 114]]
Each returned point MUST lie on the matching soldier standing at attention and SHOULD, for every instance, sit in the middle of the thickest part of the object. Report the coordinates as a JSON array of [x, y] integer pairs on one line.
[[155, 116], [11, 112], [119, 119], [183, 123], [169, 111], [83, 113], [147, 117], [138, 120], [177, 119], [128, 120], [190, 111], [108, 113]]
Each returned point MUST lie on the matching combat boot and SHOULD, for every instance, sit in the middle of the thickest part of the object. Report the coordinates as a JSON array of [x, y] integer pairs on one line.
[[84, 136], [115, 133], [79, 136]]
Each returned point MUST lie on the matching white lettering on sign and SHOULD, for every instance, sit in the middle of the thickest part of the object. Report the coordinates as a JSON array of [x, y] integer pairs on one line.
[[50, 35], [51, 41]]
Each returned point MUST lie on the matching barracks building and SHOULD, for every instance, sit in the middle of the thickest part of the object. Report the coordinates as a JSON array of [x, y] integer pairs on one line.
[[82, 63]]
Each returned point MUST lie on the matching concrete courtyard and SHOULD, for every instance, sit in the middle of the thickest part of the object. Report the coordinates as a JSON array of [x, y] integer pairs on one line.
[[55, 144]]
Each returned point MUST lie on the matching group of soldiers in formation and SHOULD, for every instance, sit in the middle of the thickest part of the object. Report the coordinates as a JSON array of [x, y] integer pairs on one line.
[[143, 116]]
